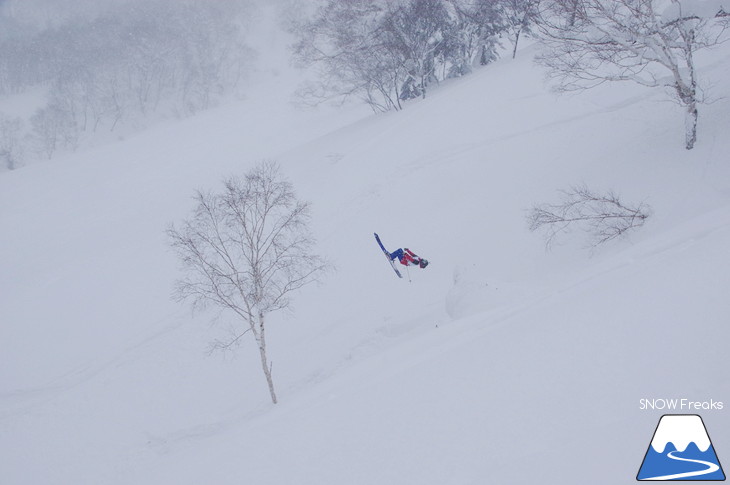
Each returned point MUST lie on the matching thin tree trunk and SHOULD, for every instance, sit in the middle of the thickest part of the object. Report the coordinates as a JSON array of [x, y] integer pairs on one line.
[[398, 106], [691, 117], [517, 39], [691, 125], [9, 162], [264, 361]]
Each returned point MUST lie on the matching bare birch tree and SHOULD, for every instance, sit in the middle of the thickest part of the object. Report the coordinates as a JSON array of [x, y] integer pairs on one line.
[[649, 42], [246, 250]]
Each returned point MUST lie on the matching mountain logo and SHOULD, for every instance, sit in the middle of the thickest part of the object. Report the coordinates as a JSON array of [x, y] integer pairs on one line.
[[680, 450]]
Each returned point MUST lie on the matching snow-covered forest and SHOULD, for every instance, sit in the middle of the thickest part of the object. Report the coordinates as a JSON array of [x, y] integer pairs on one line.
[[114, 67], [190, 289]]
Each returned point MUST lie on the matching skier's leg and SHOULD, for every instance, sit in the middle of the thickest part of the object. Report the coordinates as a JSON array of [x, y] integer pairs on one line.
[[397, 254]]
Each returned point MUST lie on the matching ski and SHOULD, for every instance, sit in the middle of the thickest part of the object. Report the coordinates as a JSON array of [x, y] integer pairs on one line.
[[387, 255]]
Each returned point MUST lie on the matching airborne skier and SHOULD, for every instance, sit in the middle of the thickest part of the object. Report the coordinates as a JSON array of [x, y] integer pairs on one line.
[[406, 257]]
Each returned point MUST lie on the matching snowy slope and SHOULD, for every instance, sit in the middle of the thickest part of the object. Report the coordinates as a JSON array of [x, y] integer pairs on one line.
[[499, 363]]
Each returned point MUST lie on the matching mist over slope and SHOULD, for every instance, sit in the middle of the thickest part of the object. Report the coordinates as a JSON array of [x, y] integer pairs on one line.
[[500, 362]]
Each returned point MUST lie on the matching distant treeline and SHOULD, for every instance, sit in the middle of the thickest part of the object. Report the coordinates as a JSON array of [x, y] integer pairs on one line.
[[167, 57]]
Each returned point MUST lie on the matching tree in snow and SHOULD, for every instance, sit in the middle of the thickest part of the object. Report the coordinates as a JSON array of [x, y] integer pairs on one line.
[[603, 216], [53, 128], [343, 41], [415, 32], [650, 42], [246, 250], [11, 148], [518, 15], [389, 51], [472, 35]]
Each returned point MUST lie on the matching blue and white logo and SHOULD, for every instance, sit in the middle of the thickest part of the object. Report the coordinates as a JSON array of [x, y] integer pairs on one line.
[[681, 450]]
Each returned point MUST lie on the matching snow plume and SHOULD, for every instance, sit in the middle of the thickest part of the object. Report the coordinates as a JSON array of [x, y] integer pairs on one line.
[[471, 292]]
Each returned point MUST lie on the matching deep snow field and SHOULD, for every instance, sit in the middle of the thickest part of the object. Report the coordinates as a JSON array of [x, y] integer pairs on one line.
[[500, 363]]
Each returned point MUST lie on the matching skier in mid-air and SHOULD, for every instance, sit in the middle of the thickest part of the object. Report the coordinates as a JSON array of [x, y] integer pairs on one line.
[[406, 257]]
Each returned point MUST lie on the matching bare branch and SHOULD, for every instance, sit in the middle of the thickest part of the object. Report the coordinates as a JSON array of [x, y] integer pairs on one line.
[[218, 345], [603, 217]]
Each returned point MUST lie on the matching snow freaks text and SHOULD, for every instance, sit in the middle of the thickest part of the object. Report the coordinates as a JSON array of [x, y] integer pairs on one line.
[[679, 405]]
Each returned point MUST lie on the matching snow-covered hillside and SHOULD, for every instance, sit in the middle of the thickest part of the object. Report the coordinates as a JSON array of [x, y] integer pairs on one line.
[[499, 363]]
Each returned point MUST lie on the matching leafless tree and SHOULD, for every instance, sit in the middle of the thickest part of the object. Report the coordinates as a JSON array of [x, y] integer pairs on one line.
[[630, 40], [603, 217], [53, 128], [518, 15], [246, 250], [345, 43], [11, 148]]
